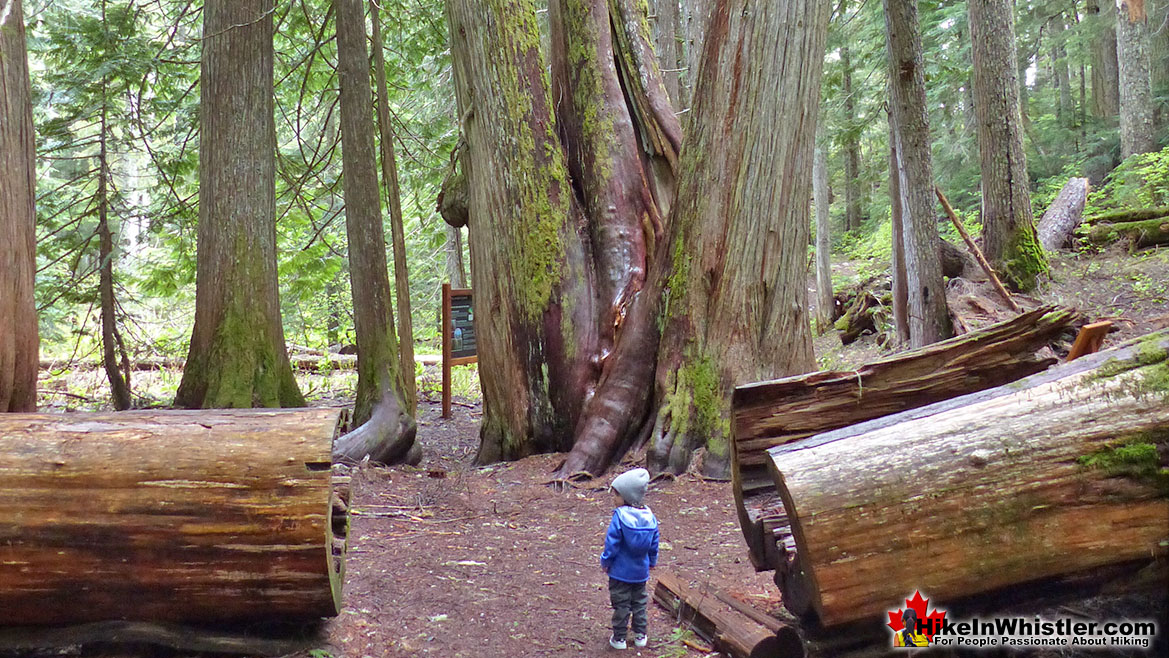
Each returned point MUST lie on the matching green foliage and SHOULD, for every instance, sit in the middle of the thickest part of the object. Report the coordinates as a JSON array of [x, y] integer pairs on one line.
[[1141, 181]]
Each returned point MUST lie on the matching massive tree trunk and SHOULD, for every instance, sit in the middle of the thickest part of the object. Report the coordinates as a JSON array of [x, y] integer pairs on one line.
[[531, 266], [852, 155], [387, 431], [394, 199], [1136, 98], [929, 317], [176, 516], [1052, 476], [825, 299], [734, 298], [19, 338], [1008, 232], [1105, 76], [237, 356]]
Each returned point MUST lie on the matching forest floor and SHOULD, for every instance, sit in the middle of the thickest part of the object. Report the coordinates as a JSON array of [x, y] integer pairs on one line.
[[448, 559]]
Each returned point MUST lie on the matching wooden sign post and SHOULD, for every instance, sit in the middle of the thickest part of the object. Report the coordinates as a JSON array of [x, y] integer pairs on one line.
[[458, 337]]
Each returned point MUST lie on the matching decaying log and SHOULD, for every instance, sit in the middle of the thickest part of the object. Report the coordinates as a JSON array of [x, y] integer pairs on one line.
[[730, 631], [954, 260], [1123, 216], [177, 516], [1146, 233], [1052, 477], [773, 413], [858, 319], [1064, 214]]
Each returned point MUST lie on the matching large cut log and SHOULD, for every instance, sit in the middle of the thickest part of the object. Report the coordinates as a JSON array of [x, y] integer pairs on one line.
[[176, 516], [773, 413], [734, 633], [1057, 476], [1064, 214], [1146, 233]]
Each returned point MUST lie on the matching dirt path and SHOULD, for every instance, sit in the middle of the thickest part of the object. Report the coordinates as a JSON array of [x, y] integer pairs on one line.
[[449, 560]]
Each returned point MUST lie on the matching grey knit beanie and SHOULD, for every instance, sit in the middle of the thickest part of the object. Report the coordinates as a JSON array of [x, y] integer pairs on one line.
[[632, 485]]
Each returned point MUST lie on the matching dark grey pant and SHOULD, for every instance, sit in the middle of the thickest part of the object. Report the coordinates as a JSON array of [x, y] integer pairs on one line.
[[628, 598]]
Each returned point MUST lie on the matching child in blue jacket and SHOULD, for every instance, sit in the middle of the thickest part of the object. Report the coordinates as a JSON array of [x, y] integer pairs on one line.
[[631, 550]]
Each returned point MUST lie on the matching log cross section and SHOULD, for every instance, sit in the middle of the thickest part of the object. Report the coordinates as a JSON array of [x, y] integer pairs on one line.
[[175, 516]]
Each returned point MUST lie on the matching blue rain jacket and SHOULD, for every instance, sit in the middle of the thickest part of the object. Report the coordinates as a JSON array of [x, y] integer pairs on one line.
[[631, 544]]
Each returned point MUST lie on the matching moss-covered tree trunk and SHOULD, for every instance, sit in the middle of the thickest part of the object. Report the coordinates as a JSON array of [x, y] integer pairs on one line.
[[387, 426], [929, 317], [1136, 97], [237, 356], [532, 269], [393, 190], [19, 338], [1008, 226], [733, 307]]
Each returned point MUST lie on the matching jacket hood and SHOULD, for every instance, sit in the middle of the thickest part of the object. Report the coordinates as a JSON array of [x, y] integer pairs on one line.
[[637, 518]]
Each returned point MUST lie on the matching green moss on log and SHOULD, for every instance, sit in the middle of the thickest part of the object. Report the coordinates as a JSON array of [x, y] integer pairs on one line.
[[1137, 460]]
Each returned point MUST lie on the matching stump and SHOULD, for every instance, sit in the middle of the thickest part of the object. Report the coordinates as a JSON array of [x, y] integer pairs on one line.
[[170, 516], [1055, 476]]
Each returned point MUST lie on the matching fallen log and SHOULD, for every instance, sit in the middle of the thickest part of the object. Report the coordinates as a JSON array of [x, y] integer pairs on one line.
[[178, 516], [773, 413], [859, 318], [1064, 214], [729, 630], [1122, 216], [1147, 233], [1058, 476]]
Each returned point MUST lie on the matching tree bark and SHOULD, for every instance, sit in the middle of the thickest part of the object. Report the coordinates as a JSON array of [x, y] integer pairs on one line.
[[1063, 79], [852, 156], [730, 320], [1049, 477], [897, 202], [535, 317], [929, 318], [1105, 75], [666, 37], [696, 14], [148, 521], [1064, 214], [19, 336], [237, 356], [1008, 233], [394, 200], [456, 270], [1136, 98], [381, 408], [770, 414], [825, 299]]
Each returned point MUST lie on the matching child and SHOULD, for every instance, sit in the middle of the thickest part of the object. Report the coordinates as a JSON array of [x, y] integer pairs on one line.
[[631, 550]]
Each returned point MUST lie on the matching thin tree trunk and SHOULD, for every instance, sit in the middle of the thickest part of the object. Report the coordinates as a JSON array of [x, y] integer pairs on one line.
[[19, 337], [852, 200], [1063, 78], [387, 432], [237, 356], [929, 317], [1159, 62], [1105, 75], [394, 199], [733, 308], [1136, 101], [531, 268], [1009, 239], [456, 270], [825, 301], [896, 205], [119, 381]]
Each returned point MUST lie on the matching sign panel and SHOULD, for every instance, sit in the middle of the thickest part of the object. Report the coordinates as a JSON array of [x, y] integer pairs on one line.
[[458, 337]]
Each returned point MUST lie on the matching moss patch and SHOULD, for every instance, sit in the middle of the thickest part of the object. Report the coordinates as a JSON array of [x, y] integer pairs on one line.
[[1138, 460]]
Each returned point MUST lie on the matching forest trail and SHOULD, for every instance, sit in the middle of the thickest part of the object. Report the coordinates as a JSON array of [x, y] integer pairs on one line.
[[451, 560]]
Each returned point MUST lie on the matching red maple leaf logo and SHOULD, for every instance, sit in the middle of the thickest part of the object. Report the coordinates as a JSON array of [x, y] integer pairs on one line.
[[931, 622]]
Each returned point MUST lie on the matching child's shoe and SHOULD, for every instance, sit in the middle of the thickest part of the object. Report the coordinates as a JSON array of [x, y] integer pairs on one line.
[[640, 640], [615, 643]]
